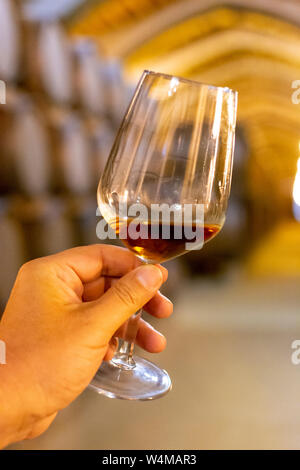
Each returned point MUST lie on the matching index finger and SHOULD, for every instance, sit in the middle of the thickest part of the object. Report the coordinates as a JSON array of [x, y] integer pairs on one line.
[[91, 262]]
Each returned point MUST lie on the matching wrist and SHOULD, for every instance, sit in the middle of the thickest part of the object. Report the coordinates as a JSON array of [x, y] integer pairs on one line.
[[15, 422]]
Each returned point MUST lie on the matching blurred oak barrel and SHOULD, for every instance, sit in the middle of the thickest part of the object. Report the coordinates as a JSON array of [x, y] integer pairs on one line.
[[10, 32], [101, 139], [12, 250], [48, 62], [7, 180], [70, 150], [89, 77], [45, 227], [117, 93], [24, 146], [81, 212]]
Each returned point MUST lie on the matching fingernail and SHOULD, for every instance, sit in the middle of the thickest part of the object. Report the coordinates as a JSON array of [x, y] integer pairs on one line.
[[149, 276], [164, 271], [155, 331], [165, 298]]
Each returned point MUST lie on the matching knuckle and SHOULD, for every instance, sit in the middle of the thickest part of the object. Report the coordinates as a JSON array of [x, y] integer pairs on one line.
[[30, 267], [25, 268], [125, 293]]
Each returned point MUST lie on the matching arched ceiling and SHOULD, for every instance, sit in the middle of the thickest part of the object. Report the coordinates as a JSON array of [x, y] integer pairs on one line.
[[251, 46], [110, 21]]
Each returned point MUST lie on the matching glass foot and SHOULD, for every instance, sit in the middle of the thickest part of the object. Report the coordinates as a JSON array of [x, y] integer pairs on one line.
[[145, 381]]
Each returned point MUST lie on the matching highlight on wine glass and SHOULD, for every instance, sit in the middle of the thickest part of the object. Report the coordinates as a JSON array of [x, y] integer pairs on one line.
[[164, 191]]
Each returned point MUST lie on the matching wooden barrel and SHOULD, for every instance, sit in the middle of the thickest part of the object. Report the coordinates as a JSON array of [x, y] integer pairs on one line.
[[101, 138], [71, 152], [117, 94], [89, 78], [9, 40], [81, 212], [48, 61], [7, 179], [45, 227], [24, 146], [12, 250]]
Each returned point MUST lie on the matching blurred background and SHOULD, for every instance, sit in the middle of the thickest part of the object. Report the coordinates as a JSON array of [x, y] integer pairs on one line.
[[70, 68]]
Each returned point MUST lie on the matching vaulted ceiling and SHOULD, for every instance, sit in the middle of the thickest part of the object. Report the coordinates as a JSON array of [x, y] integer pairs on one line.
[[251, 46]]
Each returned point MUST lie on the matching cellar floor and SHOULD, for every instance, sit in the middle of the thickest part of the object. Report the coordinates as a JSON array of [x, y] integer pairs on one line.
[[234, 385]]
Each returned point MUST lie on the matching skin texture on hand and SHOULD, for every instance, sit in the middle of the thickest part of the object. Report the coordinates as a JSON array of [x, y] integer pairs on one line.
[[58, 326]]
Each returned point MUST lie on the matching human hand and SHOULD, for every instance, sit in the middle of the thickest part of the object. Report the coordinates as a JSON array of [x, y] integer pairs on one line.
[[58, 324]]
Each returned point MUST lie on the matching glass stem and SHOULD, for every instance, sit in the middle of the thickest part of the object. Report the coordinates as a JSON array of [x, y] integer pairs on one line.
[[123, 358]]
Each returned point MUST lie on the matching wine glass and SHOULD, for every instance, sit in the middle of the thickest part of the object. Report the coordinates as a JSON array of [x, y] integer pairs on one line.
[[174, 150]]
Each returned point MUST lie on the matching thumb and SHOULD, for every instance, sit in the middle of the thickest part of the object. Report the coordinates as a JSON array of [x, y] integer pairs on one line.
[[125, 297]]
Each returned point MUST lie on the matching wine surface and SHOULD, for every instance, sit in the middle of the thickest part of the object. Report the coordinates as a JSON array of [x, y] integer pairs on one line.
[[159, 249]]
